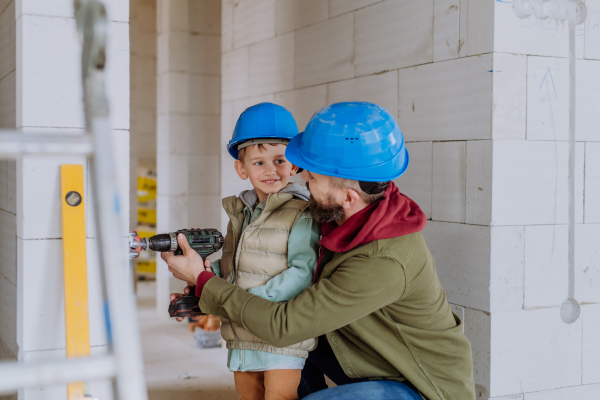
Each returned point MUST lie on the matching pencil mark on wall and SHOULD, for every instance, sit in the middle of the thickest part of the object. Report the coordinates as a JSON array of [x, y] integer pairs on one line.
[[548, 79]]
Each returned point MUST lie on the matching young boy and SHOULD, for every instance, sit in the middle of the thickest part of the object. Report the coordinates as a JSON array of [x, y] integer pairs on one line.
[[270, 249]]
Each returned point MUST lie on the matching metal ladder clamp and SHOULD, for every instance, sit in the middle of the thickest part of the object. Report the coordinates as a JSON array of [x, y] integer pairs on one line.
[[124, 362]]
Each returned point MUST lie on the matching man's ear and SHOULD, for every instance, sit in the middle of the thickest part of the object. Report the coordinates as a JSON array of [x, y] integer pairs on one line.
[[240, 169], [351, 197], [295, 169]]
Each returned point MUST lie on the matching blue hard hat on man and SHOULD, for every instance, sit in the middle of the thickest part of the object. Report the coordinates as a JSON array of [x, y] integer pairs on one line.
[[262, 123], [352, 140]]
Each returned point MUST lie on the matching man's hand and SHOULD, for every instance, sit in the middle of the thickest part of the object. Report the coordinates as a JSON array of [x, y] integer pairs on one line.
[[175, 296], [186, 267]]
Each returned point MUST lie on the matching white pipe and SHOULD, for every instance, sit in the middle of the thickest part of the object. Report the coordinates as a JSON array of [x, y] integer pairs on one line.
[[14, 144]]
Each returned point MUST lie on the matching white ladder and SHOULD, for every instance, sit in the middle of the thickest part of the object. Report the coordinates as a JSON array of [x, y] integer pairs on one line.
[[124, 362]]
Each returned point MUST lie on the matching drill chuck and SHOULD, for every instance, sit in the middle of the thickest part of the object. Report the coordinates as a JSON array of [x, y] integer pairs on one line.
[[161, 242]]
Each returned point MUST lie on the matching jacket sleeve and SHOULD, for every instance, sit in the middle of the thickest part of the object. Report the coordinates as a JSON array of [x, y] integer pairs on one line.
[[360, 285], [302, 250]]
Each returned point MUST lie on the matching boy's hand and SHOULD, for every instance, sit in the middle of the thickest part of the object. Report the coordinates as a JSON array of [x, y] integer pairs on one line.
[[207, 266], [186, 267]]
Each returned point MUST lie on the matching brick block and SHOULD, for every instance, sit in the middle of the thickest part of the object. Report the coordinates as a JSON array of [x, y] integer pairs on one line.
[[116, 10], [204, 93], [50, 73], [379, 89], [272, 65], [145, 70], [533, 350], [173, 182], [8, 39], [324, 52], [448, 190], [202, 179], [235, 67], [574, 392], [337, 7], [587, 263], [253, 21], [50, 77], [592, 177], [509, 117], [530, 182], [478, 196], [446, 29], [295, 14], [204, 54], [46, 392], [448, 100], [548, 97], [303, 103], [8, 247], [8, 101], [204, 135], [205, 211], [591, 48], [173, 93], [507, 258], [393, 34], [8, 314], [416, 183], [478, 327], [231, 184], [591, 346], [205, 17], [479, 26], [173, 134], [546, 265], [145, 18], [226, 25], [462, 255], [40, 179], [228, 121], [530, 36]]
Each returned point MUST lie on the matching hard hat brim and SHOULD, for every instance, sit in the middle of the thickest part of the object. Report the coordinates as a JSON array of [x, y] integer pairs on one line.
[[386, 171]]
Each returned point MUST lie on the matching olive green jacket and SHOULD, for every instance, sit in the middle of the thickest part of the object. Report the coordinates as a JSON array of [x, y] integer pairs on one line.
[[383, 310]]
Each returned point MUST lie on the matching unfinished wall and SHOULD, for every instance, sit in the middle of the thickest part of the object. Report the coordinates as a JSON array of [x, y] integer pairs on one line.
[[8, 188], [142, 36], [481, 98], [189, 104], [49, 100]]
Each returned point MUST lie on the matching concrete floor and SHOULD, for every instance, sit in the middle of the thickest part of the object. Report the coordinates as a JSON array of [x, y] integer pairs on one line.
[[169, 351]]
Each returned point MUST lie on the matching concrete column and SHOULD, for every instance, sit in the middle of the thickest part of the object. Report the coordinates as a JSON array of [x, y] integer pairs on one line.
[[49, 99], [189, 106], [8, 187]]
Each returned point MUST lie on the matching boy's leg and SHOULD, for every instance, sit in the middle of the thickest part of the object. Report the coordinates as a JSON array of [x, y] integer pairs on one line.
[[282, 384], [250, 385]]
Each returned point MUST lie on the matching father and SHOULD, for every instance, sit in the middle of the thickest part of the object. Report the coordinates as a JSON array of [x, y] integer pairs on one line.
[[385, 328]]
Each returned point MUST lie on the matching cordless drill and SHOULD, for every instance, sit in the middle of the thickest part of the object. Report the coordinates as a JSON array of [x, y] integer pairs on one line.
[[203, 241]]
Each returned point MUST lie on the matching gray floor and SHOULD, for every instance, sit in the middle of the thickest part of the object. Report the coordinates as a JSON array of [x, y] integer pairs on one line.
[[169, 352]]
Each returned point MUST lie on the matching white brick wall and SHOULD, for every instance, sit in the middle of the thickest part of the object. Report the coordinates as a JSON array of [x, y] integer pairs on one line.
[[470, 85]]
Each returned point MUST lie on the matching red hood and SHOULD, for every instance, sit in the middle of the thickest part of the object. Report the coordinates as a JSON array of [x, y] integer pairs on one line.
[[394, 215]]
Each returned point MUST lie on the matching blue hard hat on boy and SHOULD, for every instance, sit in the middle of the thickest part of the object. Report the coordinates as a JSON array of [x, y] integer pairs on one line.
[[262, 121], [352, 140]]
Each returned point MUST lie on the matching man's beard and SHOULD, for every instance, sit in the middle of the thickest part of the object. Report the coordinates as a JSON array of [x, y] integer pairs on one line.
[[327, 212]]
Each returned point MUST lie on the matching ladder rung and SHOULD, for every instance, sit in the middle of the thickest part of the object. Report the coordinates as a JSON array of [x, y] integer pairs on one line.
[[14, 375], [13, 144]]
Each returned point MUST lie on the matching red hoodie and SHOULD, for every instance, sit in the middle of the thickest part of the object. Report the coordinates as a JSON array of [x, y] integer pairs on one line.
[[392, 216]]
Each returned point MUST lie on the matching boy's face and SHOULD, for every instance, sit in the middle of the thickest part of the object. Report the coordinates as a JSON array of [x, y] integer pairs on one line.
[[267, 168]]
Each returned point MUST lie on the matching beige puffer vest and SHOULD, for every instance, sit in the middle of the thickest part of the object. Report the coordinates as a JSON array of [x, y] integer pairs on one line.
[[255, 256]]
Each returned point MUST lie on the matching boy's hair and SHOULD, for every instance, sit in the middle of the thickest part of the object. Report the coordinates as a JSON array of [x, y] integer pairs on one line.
[[343, 183], [261, 148]]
